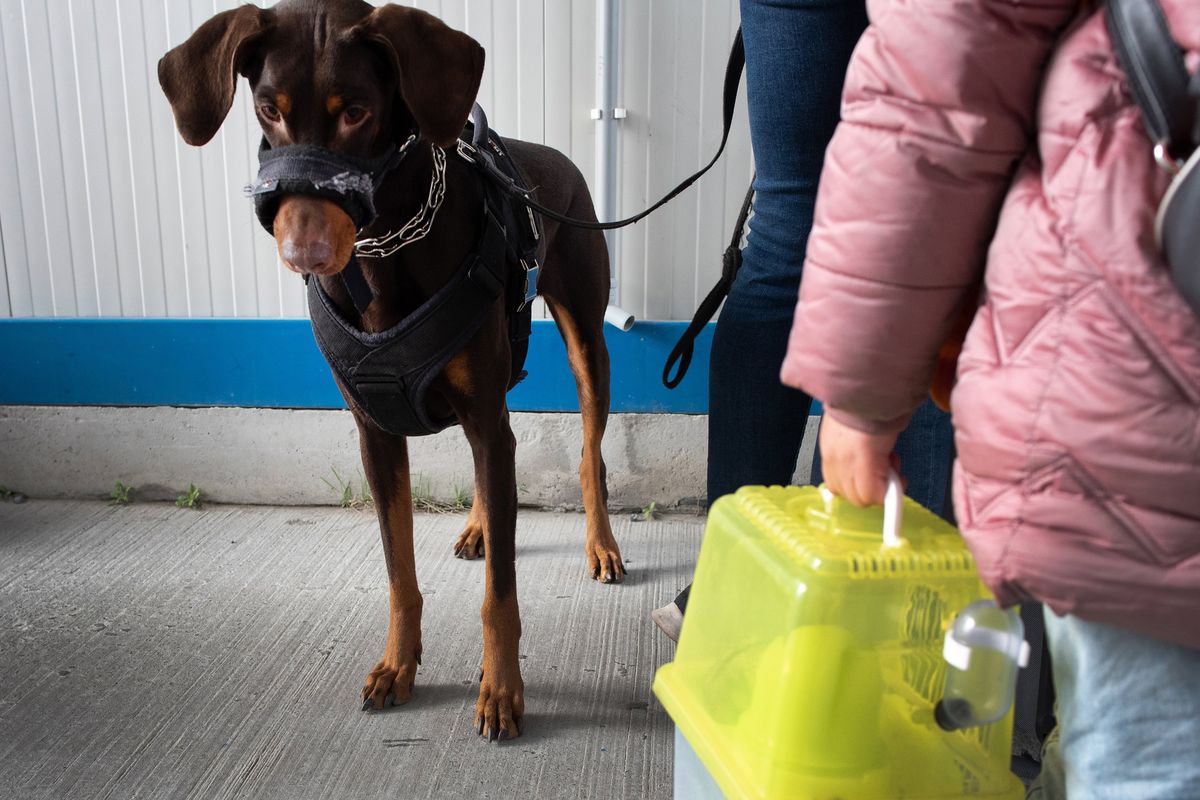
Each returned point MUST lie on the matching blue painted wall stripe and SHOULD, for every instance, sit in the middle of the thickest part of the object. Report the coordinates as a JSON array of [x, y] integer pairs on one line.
[[276, 364]]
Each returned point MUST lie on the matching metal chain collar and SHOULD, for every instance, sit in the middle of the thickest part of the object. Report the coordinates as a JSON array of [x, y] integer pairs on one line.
[[419, 226]]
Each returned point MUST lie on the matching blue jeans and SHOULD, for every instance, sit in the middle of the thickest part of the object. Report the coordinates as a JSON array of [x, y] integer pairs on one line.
[[796, 57], [1128, 716]]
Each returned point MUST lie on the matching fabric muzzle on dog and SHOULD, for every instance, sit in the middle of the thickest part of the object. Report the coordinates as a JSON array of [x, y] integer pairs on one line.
[[348, 181]]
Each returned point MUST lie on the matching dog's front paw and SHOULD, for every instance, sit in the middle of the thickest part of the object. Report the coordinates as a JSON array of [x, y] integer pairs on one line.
[[500, 706], [390, 683], [604, 560]]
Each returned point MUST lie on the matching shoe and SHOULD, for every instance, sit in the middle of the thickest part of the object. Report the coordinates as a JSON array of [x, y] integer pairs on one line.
[[669, 620]]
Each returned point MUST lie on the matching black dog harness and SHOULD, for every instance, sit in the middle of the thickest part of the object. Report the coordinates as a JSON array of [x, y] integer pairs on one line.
[[388, 374]]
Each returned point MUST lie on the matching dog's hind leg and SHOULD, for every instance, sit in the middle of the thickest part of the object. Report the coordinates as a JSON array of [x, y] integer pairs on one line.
[[469, 545], [574, 283], [580, 320], [385, 461]]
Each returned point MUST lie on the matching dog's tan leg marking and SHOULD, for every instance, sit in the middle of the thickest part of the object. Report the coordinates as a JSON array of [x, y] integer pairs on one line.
[[458, 372], [589, 363], [469, 545], [385, 459]]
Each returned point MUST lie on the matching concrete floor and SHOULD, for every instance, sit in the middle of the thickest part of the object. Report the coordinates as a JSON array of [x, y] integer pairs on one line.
[[150, 651]]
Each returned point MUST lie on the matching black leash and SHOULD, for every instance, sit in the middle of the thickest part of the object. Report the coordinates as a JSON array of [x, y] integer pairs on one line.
[[731, 262], [732, 259], [733, 76]]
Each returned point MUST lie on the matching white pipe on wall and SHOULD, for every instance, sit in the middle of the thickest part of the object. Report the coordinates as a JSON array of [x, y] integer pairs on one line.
[[606, 115]]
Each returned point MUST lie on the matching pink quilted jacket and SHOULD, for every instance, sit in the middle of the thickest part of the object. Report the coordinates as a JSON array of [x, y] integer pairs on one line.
[[998, 141]]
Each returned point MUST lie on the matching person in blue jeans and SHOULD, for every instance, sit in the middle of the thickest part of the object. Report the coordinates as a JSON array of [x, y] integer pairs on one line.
[[796, 57]]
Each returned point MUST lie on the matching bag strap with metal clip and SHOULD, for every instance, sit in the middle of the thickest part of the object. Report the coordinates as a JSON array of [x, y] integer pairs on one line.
[[1168, 99], [1158, 77]]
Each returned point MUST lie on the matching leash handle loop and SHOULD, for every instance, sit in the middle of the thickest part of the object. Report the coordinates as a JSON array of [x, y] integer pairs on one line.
[[683, 350], [731, 262]]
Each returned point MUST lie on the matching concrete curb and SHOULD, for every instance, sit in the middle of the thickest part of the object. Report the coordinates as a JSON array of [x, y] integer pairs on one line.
[[285, 457]]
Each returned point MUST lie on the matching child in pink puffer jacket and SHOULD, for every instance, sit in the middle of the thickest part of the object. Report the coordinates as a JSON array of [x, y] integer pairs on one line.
[[997, 141]]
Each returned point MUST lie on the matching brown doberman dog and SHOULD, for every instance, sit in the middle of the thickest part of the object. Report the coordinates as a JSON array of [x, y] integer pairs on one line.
[[355, 79]]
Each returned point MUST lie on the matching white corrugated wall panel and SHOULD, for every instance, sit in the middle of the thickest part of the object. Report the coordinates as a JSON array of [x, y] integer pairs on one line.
[[673, 56], [104, 211], [15, 292]]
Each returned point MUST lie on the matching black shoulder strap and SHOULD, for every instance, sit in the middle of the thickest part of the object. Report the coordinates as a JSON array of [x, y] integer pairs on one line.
[[1194, 90], [731, 262], [356, 285], [1153, 63]]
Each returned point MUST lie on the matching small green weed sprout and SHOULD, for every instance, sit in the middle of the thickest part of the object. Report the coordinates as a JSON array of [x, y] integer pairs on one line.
[[190, 498], [345, 492], [422, 494], [462, 498], [121, 495]]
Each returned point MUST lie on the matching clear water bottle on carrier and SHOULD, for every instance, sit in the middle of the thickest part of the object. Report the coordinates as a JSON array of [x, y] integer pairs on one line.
[[984, 649]]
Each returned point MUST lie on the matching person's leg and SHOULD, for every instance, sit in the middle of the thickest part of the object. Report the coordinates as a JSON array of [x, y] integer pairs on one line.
[[926, 450], [796, 57], [1128, 707], [755, 423]]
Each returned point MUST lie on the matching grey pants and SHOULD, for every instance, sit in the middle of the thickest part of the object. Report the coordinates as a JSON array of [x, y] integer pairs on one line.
[[1128, 716]]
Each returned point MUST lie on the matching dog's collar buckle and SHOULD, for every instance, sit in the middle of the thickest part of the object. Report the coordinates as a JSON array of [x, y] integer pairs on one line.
[[466, 152]]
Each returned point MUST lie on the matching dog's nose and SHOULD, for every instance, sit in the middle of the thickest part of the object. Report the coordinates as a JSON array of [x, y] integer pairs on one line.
[[314, 235], [307, 256]]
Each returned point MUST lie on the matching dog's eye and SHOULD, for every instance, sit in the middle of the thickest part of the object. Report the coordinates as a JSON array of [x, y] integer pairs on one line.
[[270, 112], [354, 115]]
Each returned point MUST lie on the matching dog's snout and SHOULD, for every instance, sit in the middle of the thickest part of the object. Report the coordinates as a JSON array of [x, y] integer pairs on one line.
[[314, 255], [313, 234]]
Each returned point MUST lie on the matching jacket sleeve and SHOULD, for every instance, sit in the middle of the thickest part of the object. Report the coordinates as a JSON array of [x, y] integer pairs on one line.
[[938, 108]]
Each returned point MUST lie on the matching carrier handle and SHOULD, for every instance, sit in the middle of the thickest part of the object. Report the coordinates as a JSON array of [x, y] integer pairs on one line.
[[893, 510]]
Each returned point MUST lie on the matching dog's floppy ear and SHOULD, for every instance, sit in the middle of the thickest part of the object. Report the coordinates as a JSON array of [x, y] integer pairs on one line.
[[199, 76], [437, 67]]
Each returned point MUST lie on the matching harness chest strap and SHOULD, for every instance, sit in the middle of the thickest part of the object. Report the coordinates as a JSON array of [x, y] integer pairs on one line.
[[388, 374]]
